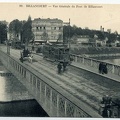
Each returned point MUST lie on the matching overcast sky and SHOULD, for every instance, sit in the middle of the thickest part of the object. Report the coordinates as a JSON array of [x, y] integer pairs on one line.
[[106, 15]]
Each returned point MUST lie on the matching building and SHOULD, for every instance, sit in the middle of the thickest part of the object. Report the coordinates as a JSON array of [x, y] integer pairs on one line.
[[83, 40], [47, 30], [101, 42]]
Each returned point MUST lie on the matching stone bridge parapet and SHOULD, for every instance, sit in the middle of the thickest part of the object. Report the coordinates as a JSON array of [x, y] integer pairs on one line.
[[55, 101]]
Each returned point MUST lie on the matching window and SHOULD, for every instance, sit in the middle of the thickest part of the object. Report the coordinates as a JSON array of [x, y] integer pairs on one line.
[[44, 28], [54, 28], [40, 28], [37, 28], [59, 28]]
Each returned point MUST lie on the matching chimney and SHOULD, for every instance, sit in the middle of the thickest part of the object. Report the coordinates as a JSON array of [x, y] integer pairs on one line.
[[100, 28]]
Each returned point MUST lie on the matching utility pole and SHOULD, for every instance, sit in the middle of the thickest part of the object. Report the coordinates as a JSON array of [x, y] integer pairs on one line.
[[68, 24], [69, 35]]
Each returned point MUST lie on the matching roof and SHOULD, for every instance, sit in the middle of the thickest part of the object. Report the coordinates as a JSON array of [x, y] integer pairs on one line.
[[48, 20]]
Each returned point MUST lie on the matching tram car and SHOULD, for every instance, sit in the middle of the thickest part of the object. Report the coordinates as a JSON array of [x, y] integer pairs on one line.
[[56, 52]]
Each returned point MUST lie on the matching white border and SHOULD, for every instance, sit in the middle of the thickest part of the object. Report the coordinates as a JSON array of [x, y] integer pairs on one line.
[[58, 1], [66, 1]]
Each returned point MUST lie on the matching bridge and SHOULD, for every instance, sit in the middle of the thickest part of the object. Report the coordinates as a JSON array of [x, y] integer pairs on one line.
[[75, 93]]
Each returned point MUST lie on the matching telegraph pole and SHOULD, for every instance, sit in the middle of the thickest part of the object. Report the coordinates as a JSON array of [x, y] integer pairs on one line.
[[68, 24], [69, 35]]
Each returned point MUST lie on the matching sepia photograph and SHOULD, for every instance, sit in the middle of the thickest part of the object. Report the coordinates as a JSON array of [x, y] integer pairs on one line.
[[59, 60]]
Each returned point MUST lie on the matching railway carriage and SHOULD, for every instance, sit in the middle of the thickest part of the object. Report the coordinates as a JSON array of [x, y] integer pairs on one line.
[[56, 52]]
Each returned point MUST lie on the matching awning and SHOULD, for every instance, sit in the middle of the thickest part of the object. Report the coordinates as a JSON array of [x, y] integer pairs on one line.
[[39, 40]]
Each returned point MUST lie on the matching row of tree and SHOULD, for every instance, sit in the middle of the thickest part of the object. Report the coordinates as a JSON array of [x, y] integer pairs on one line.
[[24, 30], [69, 31], [3, 32]]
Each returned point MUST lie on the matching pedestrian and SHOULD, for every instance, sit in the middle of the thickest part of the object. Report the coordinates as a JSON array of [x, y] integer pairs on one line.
[[21, 57], [59, 66], [105, 68], [107, 101], [64, 65], [27, 52], [100, 67], [24, 52], [33, 48]]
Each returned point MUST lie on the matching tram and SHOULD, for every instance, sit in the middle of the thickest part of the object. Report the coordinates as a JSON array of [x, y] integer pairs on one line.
[[56, 52]]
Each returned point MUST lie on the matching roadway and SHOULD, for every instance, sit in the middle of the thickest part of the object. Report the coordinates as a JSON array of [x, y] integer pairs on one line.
[[85, 85]]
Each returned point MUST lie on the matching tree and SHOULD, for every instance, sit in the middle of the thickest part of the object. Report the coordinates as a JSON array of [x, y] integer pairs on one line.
[[100, 35], [27, 33], [74, 39], [112, 37], [3, 32], [15, 28], [68, 32], [45, 36], [60, 38]]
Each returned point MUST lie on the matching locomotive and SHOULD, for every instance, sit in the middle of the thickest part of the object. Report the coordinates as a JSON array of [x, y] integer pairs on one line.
[[56, 52]]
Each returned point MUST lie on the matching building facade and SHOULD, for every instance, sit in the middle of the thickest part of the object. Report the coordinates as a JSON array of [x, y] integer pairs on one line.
[[47, 30]]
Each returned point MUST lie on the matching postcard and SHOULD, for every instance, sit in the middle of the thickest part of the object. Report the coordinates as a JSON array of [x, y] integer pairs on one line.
[[59, 60]]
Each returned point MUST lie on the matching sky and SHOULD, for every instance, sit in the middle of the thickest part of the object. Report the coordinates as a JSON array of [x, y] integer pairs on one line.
[[81, 14]]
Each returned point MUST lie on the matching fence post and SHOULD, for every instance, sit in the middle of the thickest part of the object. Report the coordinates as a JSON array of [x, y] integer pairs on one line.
[[113, 69], [83, 60], [58, 105], [51, 100], [91, 62], [76, 58], [65, 108]]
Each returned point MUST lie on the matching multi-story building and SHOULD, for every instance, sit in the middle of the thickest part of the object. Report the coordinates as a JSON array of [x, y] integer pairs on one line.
[[47, 30]]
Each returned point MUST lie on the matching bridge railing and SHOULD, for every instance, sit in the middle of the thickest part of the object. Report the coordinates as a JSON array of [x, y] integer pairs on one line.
[[115, 69], [55, 101]]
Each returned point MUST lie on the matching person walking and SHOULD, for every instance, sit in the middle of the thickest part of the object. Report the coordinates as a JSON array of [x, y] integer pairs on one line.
[[21, 57], [100, 67], [33, 48], [105, 68], [64, 65], [59, 66]]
